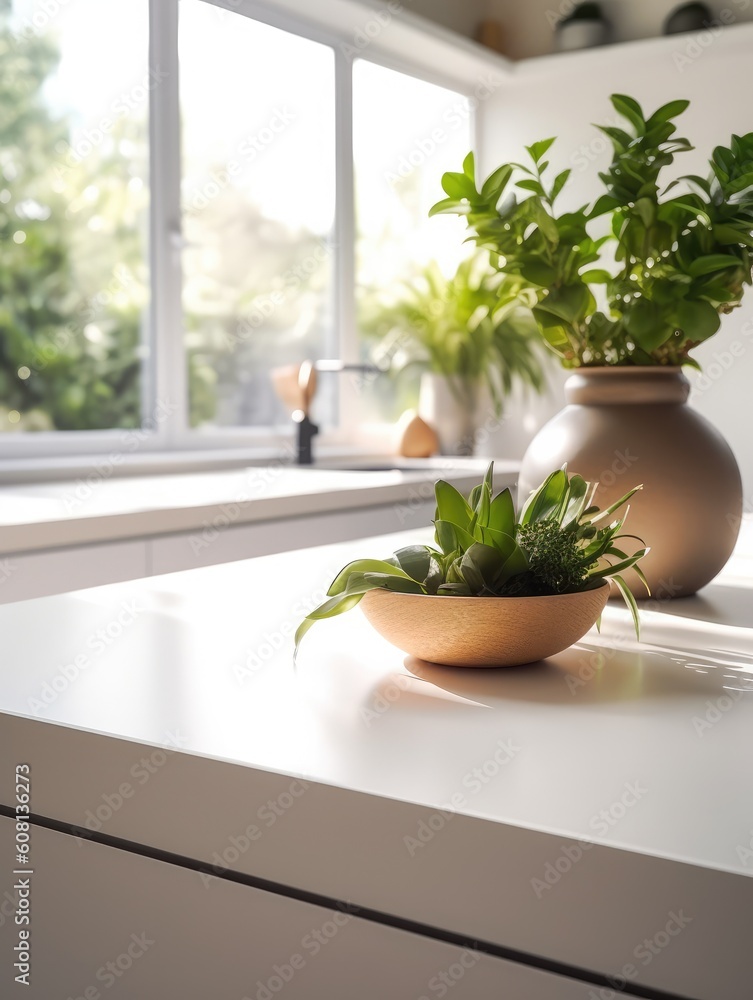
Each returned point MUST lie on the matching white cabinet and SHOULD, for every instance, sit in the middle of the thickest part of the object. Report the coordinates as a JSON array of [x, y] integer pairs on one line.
[[54, 571], [163, 524], [108, 923], [220, 542]]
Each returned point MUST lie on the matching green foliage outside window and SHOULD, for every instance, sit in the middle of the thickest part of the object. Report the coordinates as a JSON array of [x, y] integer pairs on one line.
[[72, 271]]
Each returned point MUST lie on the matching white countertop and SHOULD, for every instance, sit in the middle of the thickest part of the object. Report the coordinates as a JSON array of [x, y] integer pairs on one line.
[[196, 655], [97, 508], [643, 749]]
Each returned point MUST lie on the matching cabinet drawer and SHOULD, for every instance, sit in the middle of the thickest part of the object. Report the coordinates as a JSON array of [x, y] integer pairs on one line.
[[218, 544], [56, 571], [107, 923]]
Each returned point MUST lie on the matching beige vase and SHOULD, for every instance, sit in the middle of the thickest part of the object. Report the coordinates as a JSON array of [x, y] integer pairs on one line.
[[455, 410], [625, 426]]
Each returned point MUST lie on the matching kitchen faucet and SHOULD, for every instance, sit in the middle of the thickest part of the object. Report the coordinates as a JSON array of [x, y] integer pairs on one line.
[[296, 386]]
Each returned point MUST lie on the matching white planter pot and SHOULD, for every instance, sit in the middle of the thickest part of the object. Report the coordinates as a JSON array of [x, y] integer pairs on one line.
[[454, 415], [576, 35]]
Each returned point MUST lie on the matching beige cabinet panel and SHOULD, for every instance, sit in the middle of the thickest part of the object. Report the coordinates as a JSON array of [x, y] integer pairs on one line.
[[107, 923]]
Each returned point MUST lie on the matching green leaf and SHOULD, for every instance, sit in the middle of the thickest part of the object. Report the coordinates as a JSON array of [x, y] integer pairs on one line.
[[552, 330], [606, 203], [610, 571], [383, 581], [455, 590], [496, 182], [741, 183], [480, 566], [630, 109], [501, 541], [693, 209], [530, 185], [731, 235], [700, 182], [502, 513], [547, 225], [302, 629], [452, 538], [596, 277], [647, 211], [642, 577], [340, 583], [670, 110], [697, 319], [724, 159], [546, 500], [457, 185], [489, 479], [646, 323], [416, 561], [515, 564], [334, 606], [538, 149], [538, 273], [487, 570], [600, 546], [620, 139], [451, 505], [559, 182], [712, 262], [481, 511], [629, 599], [576, 501], [569, 302], [469, 167], [599, 515], [450, 206]]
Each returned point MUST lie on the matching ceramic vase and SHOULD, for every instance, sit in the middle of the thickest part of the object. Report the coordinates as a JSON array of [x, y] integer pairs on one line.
[[625, 426]]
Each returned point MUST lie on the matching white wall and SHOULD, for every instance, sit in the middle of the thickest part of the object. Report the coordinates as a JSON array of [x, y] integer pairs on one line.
[[563, 94]]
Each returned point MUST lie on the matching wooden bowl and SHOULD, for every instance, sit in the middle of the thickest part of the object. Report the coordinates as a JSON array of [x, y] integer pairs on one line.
[[483, 631]]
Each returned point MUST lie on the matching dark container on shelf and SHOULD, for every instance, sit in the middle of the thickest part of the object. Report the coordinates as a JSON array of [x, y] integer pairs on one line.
[[585, 28], [687, 17]]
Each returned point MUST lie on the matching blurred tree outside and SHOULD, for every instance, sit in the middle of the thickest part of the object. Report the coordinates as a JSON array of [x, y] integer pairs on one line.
[[255, 296], [73, 275]]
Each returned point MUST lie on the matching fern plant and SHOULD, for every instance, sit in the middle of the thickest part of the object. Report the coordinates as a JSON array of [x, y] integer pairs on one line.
[[472, 328]]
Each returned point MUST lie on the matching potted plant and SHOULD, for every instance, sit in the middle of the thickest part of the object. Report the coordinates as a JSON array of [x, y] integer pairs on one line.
[[625, 288], [584, 28], [499, 589], [471, 336]]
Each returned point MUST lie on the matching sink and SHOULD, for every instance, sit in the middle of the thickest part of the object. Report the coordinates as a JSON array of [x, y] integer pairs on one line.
[[383, 467]]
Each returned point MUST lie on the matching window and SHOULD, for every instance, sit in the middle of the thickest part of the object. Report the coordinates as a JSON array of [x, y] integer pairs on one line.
[[406, 134], [73, 215], [289, 182], [258, 210]]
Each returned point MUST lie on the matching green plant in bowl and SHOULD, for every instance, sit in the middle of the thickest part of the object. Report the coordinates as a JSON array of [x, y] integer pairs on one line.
[[472, 328], [559, 543]]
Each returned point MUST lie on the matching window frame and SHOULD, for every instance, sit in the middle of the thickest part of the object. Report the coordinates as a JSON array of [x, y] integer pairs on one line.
[[165, 427]]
